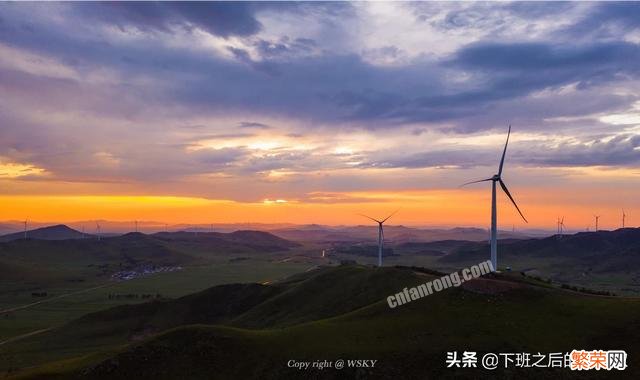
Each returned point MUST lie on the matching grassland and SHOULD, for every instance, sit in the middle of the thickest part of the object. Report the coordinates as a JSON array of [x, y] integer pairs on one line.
[[251, 331], [76, 274]]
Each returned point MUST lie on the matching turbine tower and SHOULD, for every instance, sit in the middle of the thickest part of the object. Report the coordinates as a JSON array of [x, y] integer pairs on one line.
[[25, 229], [624, 216], [98, 230], [597, 217], [497, 178], [560, 227], [380, 234]]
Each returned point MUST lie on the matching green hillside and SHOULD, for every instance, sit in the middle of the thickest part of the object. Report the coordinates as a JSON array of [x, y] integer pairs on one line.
[[250, 331]]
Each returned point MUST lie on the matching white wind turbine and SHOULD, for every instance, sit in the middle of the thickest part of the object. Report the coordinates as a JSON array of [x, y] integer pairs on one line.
[[380, 234], [497, 178]]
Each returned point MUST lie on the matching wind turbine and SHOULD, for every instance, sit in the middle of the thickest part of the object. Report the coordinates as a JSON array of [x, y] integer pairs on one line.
[[624, 216], [25, 229], [380, 234], [597, 217], [98, 230], [497, 178], [560, 227]]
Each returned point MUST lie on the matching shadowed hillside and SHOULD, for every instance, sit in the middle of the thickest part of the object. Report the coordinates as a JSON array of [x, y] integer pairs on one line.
[[603, 250], [334, 313]]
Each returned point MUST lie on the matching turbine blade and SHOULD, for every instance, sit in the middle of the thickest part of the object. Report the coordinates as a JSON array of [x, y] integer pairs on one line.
[[504, 152], [392, 214], [481, 180], [504, 188], [375, 220]]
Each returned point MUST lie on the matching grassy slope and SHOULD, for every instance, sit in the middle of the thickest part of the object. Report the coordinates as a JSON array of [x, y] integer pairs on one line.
[[68, 266], [340, 313]]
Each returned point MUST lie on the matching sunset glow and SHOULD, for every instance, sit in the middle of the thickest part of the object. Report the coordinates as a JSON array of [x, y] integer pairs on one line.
[[315, 112]]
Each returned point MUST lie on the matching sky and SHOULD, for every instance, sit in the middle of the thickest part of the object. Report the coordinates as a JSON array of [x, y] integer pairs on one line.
[[315, 112]]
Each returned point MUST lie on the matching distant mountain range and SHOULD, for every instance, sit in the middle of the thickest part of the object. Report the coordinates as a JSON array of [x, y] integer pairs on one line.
[[395, 234], [302, 232]]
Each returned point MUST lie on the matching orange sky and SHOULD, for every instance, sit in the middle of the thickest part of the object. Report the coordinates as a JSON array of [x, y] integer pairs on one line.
[[459, 207]]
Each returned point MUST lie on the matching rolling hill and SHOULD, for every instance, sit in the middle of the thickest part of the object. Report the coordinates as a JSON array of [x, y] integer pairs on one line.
[[250, 331], [39, 262], [57, 232], [602, 250]]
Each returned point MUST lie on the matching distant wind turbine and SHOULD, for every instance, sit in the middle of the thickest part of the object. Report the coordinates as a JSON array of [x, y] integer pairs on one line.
[[624, 216], [98, 230], [560, 227], [497, 178], [597, 217], [25, 229], [380, 234]]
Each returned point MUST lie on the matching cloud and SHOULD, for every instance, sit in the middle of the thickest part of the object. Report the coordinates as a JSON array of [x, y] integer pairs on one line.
[[253, 124], [621, 150], [127, 91], [224, 19], [606, 20]]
